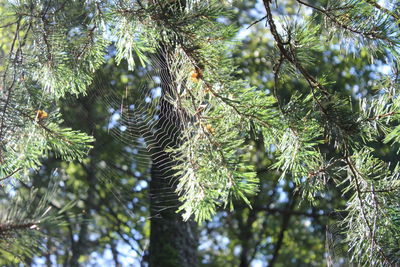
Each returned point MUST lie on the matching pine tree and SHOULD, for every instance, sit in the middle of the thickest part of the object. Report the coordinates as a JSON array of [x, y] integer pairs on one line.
[[173, 242], [318, 135], [38, 67]]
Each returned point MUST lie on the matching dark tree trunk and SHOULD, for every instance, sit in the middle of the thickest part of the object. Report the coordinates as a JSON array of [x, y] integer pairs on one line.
[[173, 242]]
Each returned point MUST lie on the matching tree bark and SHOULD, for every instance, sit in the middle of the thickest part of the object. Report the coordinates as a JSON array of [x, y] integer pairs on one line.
[[173, 242]]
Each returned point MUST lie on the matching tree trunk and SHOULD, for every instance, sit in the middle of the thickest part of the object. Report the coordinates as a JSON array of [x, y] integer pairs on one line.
[[173, 242]]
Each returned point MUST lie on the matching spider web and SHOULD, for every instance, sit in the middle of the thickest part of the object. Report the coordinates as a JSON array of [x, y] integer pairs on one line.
[[144, 118]]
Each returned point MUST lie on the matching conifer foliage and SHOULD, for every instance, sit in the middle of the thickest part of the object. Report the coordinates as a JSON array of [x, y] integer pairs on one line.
[[52, 49]]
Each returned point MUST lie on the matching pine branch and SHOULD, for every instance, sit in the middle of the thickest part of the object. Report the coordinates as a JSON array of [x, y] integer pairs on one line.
[[291, 57], [10, 175], [334, 19], [371, 229], [375, 4]]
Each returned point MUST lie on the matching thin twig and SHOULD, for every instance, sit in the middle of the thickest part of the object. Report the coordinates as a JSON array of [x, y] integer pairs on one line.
[[11, 174], [255, 22]]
